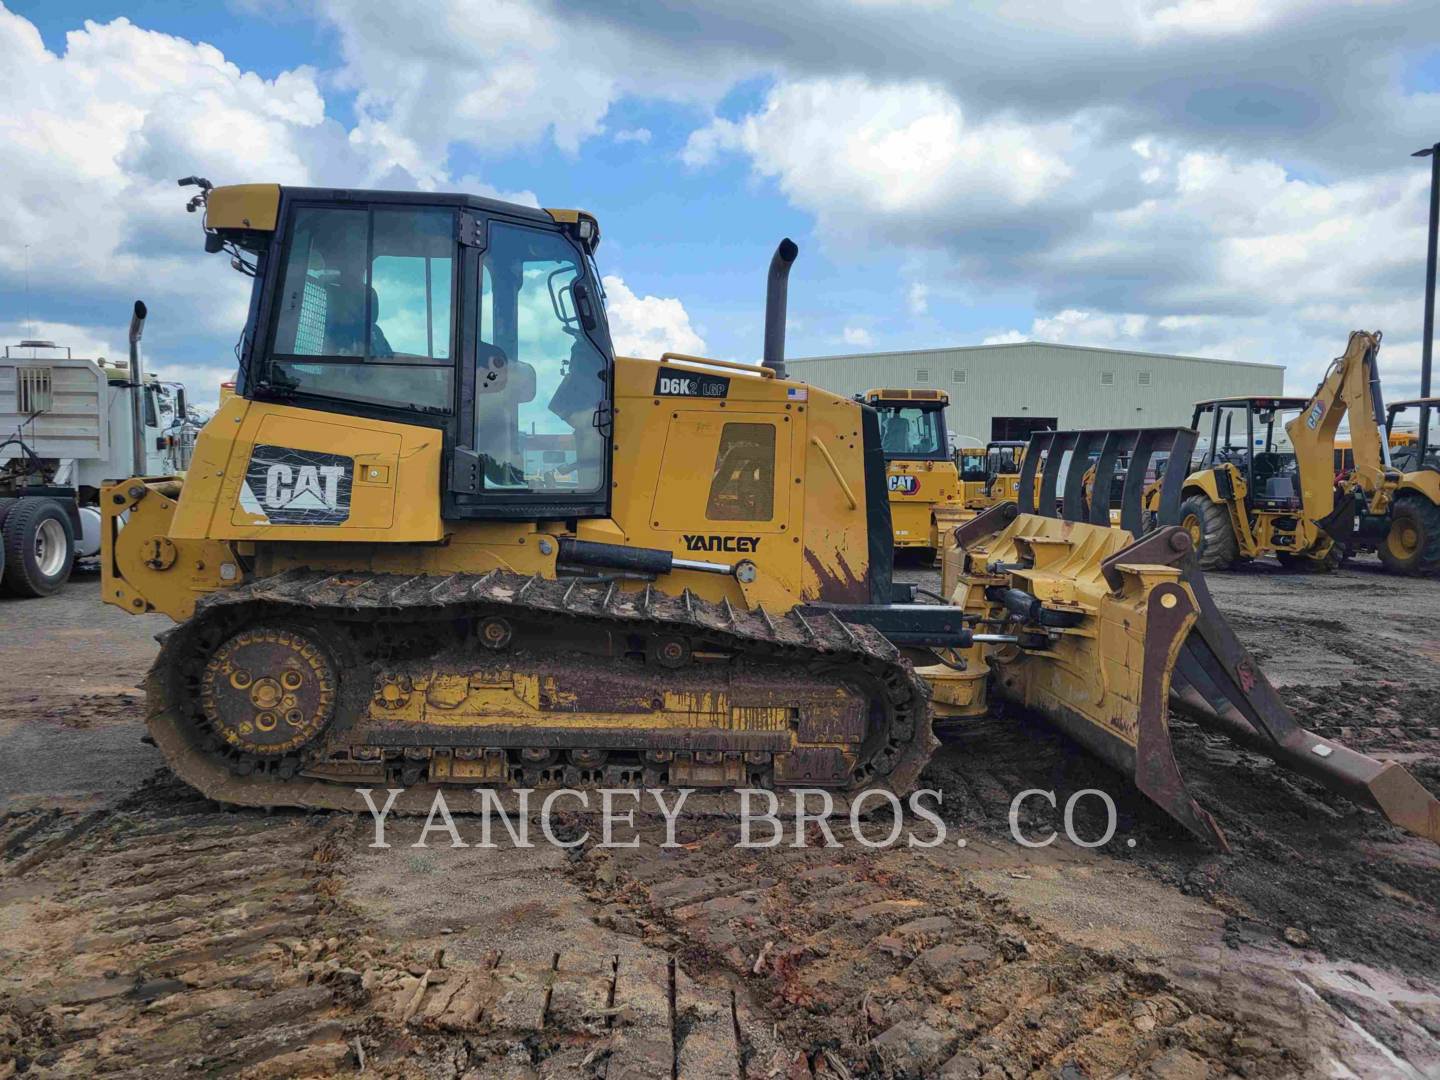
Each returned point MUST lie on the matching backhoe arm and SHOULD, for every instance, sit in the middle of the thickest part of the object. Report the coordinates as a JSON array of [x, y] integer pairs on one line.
[[1351, 386]]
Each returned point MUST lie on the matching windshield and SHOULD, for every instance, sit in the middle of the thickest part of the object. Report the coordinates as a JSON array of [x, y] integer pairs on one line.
[[1004, 459], [1404, 437], [909, 431]]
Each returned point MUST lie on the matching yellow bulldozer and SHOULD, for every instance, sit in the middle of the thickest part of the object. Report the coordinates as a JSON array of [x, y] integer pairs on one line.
[[920, 473], [443, 538]]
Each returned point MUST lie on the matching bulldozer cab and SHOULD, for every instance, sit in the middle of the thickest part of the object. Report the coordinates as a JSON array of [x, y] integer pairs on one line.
[[974, 464], [479, 318], [912, 423], [1249, 434], [1412, 429]]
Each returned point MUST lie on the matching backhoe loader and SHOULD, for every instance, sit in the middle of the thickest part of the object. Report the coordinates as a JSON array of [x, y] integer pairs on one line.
[[921, 475], [1405, 533], [1275, 478], [442, 538], [1243, 498], [1389, 499]]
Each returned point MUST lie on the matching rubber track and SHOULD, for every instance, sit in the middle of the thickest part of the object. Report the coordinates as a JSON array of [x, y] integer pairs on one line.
[[397, 598]]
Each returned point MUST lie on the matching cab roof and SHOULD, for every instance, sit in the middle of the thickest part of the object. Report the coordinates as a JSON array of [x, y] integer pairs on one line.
[[255, 208], [1412, 402], [914, 397], [1260, 401]]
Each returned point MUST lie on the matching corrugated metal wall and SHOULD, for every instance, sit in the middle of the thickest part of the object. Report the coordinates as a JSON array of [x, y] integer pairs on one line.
[[1083, 387]]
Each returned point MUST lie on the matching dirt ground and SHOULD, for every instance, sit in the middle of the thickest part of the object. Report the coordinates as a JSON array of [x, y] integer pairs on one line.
[[145, 931]]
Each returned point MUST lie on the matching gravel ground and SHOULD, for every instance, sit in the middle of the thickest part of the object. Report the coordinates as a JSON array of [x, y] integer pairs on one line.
[[143, 930]]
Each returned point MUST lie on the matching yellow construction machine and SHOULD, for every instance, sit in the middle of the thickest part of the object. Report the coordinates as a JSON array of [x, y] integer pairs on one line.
[[442, 538], [1002, 461], [1275, 478], [1244, 498], [921, 475], [1396, 509]]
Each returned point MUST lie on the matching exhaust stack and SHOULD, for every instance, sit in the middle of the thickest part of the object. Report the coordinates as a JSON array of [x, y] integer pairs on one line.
[[776, 297], [137, 396]]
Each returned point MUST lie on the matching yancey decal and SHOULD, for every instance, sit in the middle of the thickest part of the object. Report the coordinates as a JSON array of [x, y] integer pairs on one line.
[[905, 484], [699, 542], [298, 487], [673, 382]]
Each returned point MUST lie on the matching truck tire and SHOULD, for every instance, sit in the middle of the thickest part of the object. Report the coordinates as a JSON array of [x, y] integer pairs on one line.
[[39, 544], [1412, 546], [1215, 546]]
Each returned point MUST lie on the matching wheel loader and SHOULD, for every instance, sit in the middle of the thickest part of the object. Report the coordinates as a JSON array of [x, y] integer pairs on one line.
[[926, 491], [442, 538]]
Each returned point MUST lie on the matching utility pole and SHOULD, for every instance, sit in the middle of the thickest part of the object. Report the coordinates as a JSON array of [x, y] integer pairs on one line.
[[1427, 344]]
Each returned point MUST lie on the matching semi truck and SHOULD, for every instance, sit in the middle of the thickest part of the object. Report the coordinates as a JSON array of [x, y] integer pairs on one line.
[[68, 426]]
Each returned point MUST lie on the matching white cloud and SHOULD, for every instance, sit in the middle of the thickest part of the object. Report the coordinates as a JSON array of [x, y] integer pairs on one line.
[[94, 139], [1009, 337], [850, 151], [633, 135], [646, 326], [917, 298], [856, 335], [497, 76]]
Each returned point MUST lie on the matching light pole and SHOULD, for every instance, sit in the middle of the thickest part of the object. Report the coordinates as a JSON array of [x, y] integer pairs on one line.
[[1427, 344]]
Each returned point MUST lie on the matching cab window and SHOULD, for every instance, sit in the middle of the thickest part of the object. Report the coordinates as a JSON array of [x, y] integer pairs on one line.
[[906, 431], [540, 381], [364, 309]]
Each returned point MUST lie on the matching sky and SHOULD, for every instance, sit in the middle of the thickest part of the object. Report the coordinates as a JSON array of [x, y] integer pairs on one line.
[[1222, 178]]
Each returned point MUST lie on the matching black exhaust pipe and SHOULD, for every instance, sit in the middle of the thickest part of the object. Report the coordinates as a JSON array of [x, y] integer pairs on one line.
[[776, 296]]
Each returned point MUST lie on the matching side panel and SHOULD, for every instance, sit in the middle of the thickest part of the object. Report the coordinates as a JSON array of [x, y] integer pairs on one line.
[[669, 427], [273, 472], [72, 425]]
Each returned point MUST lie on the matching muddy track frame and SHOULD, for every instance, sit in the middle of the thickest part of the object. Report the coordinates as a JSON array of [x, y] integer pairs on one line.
[[787, 641]]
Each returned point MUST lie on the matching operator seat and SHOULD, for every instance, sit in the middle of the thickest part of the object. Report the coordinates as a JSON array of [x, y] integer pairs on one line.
[[897, 435]]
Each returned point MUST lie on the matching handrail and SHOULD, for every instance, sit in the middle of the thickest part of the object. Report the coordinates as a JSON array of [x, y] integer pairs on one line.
[[684, 358], [844, 487]]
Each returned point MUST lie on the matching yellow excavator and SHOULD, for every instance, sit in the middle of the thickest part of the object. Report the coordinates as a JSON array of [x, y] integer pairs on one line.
[[442, 538], [921, 475]]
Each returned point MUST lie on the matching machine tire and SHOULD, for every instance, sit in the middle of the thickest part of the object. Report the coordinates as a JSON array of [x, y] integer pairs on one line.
[[33, 566], [1412, 546], [1217, 548]]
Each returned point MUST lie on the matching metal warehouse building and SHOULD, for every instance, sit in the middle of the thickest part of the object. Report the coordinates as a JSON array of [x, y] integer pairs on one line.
[[1007, 391]]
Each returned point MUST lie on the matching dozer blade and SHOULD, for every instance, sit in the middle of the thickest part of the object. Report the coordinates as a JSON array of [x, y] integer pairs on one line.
[[1111, 632]]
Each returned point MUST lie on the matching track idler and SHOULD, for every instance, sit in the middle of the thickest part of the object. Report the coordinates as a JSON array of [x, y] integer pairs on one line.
[[1114, 632]]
